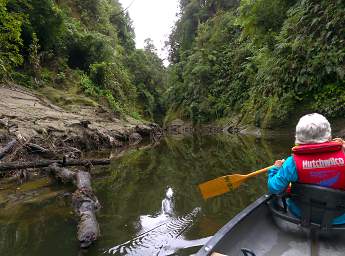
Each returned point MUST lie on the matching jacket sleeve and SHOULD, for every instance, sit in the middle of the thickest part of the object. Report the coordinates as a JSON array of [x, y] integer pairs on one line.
[[280, 178]]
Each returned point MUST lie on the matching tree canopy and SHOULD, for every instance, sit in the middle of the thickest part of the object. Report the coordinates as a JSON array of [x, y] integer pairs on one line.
[[89, 43], [260, 61]]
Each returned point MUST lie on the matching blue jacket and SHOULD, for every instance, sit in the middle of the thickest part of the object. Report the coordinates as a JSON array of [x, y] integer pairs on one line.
[[280, 178]]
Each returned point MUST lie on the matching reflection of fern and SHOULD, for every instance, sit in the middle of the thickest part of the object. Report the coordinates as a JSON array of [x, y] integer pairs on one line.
[[156, 239]]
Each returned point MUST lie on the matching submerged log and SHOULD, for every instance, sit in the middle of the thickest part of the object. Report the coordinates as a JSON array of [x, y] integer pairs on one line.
[[62, 174], [8, 148], [84, 202], [88, 229], [83, 180], [46, 163]]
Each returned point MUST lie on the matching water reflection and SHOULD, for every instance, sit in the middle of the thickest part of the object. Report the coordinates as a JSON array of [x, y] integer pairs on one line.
[[162, 234], [167, 203], [149, 199], [182, 164]]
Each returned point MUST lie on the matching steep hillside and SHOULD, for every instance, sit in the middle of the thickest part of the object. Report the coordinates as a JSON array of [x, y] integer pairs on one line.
[[85, 47], [257, 62]]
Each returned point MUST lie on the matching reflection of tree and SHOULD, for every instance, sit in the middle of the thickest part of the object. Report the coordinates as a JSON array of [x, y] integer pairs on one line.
[[139, 180], [134, 186], [36, 230]]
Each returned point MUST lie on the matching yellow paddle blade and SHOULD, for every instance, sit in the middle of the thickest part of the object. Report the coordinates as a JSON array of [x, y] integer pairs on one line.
[[221, 185]]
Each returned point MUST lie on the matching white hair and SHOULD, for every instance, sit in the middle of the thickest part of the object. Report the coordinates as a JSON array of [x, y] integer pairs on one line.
[[313, 128]]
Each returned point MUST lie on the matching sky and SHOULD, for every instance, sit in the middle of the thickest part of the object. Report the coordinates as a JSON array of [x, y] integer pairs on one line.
[[154, 19]]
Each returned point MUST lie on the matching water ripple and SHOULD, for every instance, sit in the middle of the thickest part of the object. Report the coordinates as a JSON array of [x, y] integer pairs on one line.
[[165, 238]]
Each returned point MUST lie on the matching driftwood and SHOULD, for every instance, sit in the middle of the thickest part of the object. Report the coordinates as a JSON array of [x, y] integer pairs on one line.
[[34, 148], [88, 228], [84, 201], [83, 180], [62, 174], [85, 204], [8, 148], [135, 138], [46, 163]]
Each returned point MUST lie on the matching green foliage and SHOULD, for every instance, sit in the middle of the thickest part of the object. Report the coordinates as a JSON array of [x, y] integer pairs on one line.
[[24, 79], [34, 59], [93, 90], [84, 42], [107, 17], [84, 49], [47, 75], [262, 61], [330, 99], [113, 78], [10, 40], [114, 104], [42, 17], [192, 14], [214, 75], [125, 31], [88, 86], [148, 74], [262, 20]]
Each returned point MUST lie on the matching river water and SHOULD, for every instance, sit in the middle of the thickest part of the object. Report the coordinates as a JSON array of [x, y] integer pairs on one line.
[[150, 201]]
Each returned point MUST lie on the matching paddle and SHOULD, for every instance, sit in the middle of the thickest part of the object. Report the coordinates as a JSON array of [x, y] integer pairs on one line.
[[223, 184]]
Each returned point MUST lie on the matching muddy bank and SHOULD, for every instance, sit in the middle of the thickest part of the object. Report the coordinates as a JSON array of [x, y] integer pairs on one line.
[[32, 119]]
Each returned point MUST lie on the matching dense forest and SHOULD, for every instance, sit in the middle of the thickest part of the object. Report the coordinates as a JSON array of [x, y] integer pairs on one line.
[[257, 62], [247, 62], [66, 48]]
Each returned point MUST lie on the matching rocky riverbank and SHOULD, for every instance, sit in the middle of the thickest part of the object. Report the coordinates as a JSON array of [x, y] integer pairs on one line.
[[32, 119]]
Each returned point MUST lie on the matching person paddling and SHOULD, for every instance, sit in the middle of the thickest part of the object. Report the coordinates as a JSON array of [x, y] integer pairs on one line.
[[316, 159]]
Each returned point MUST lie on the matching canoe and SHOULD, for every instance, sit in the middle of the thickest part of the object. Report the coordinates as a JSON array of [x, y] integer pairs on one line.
[[257, 231]]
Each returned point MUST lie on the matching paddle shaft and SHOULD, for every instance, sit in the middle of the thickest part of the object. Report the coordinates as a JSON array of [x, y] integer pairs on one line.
[[259, 171]]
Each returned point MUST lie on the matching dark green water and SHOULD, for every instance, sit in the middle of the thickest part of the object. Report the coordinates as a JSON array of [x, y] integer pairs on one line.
[[132, 192]]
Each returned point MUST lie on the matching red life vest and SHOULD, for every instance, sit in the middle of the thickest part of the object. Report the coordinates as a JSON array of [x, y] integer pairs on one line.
[[321, 164]]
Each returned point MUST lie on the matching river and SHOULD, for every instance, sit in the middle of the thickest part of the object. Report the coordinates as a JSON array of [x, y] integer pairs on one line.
[[150, 201]]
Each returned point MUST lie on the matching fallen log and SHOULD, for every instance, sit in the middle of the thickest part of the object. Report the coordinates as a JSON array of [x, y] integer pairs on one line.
[[88, 228], [62, 174], [83, 180], [46, 163], [84, 202], [6, 149], [34, 148]]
